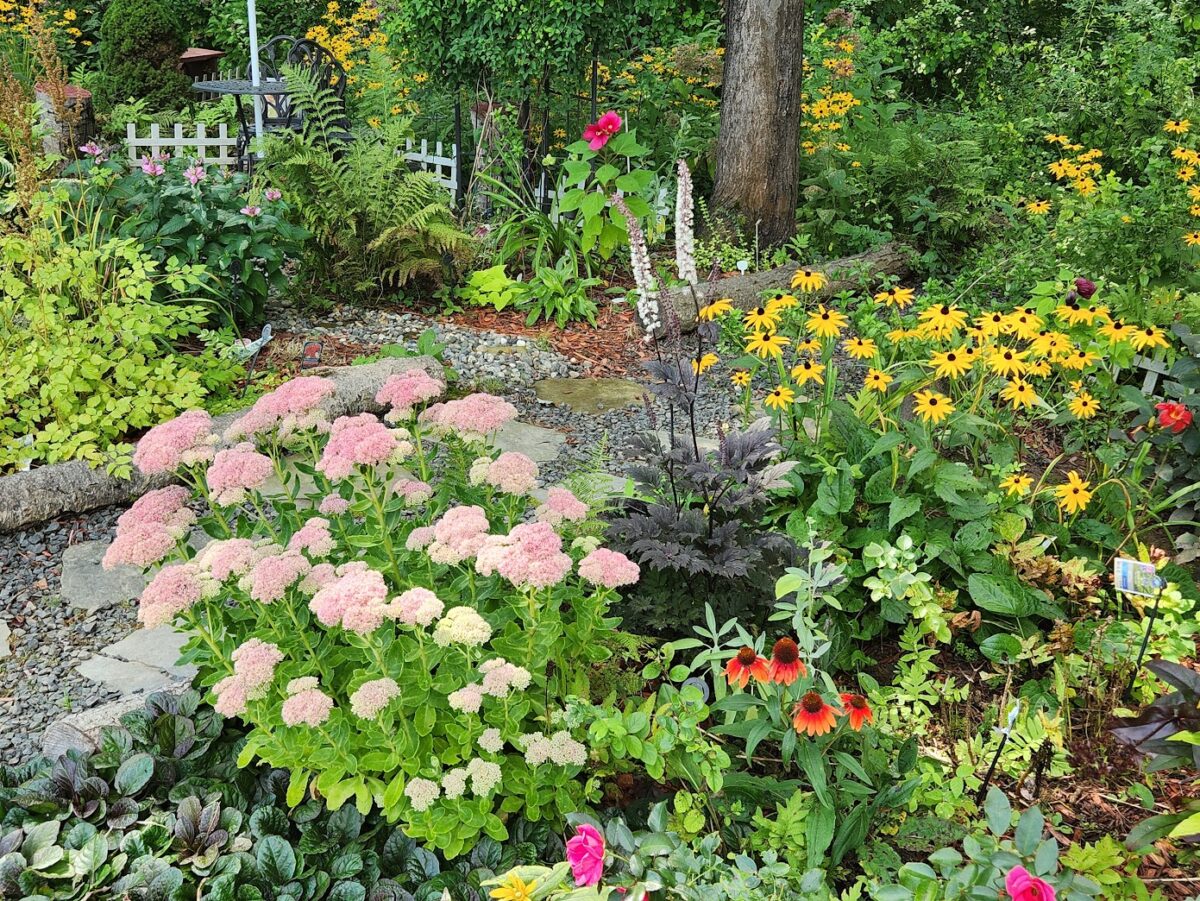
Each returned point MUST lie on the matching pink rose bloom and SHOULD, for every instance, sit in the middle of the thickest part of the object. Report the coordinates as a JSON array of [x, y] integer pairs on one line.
[[598, 133], [585, 854], [1022, 885], [183, 441], [405, 390], [608, 568], [236, 470]]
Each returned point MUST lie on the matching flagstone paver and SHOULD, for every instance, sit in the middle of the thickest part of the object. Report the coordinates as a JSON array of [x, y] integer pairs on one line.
[[534, 441], [590, 395], [89, 586]]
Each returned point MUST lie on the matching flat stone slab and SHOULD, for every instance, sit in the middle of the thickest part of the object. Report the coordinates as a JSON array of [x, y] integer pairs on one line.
[[158, 648], [589, 395], [5, 650], [539, 444], [88, 585], [123, 675], [82, 731], [684, 438]]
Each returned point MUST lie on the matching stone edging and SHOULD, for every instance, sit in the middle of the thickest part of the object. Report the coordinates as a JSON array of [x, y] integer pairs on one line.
[[74, 487]]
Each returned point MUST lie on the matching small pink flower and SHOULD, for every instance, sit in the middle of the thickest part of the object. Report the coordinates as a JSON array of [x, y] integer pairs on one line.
[[403, 391], [308, 707], [608, 568], [173, 589], [152, 167], [599, 132], [194, 174], [273, 575], [236, 470], [332, 505], [250, 211], [293, 406], [585, 854], [561, 506], [413, 491], [356, 441], [473, 417], [183, 441], [1022, 885], [512, 473], [371, 697], [313, 537], [228, 558], [458, 535], [91, 148], [530, 556], [417, 607], [356, 601], [272, 194]]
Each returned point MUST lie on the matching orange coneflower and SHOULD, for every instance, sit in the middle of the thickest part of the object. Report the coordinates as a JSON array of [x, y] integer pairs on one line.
[[746, 663], [786, 665], [858, 710], [812, 716]]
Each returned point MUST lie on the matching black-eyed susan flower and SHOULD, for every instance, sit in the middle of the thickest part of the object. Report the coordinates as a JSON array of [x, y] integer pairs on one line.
[[1083, 406], [1020, 394], [1025, 324], [895, 297], [1191, 239], [782, 301], [706, 362], [1017, 484], [767, 344], [949, 364], [861, 348], [990, 324], [1062, 168], [780, 397], [715, 309], [942, 320], [1039, 368], [1050, 344], [1185, 173], [809, 346], [1074, 313], [1176, 126], [1079, 360], [826, 323], [1006, 362], [808, 280], [1037, 207], [808, 371], [1194, 192], [740, 378], [877, 380], [897, 335], [1146, 338], [1085, 187], [761, 319], [932, 406], [1116, 331], [1074, 494]]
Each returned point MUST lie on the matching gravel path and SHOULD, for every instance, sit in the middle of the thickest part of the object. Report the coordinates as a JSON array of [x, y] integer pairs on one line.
[[38, 682]]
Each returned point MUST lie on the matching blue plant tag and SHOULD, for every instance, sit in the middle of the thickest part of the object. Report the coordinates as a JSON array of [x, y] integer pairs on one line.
[[1136, 577]]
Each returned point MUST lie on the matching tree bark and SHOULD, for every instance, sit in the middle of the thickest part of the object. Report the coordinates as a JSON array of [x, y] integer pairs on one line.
[[758, 148]]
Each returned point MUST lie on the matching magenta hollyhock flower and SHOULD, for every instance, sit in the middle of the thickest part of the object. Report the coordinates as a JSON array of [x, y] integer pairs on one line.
[[599, 132], [1022, 885], [585, 854]]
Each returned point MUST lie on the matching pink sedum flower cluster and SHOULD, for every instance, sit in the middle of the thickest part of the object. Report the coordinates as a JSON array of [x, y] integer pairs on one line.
[[314, 538], [511, 472], [236, 470], [404, 391], [462, 625], [150, 529], [354, 441], [275, 573], [186, 440], [418, 607], [473, 417], [294, 406], [306, 705], [457, 535], [561, 506], [174, 589], [608, 569], [356, 600], [500, 677], [231, 557], [530, 556], [370, 698], [414, 491], [254, 665], [333, 505]]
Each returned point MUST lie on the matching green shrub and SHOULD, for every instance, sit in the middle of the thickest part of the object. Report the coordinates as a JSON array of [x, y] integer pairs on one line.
[[140, 45], [88, 355]]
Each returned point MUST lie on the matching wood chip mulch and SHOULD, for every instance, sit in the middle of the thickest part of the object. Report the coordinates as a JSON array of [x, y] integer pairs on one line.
[[614, 347]]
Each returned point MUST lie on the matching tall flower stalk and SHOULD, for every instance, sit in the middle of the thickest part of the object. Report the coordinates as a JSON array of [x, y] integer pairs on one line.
[[643, 272], [685, 242]]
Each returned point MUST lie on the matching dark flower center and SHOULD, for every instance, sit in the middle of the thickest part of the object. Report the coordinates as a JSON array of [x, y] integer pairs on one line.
[[1149, 331], [786, 651], [950, 358], [1008, 355], [933, 401], [812, 702], [746, 656], [760, 311], [945, 311], [858, 702]]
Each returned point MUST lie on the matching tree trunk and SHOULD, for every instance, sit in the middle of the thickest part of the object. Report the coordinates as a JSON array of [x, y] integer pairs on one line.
[[758, 148]]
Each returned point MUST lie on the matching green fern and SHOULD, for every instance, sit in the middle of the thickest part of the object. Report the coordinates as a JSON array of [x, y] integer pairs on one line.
[[376, 224]]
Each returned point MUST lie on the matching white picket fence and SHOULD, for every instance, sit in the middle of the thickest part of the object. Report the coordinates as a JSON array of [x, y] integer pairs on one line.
[[221, 150]]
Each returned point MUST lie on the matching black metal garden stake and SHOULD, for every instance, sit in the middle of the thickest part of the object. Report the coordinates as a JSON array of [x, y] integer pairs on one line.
[[1004, 731], [1137, 667]]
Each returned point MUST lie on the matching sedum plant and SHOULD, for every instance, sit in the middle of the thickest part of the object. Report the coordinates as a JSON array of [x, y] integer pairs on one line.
[[400, 622]]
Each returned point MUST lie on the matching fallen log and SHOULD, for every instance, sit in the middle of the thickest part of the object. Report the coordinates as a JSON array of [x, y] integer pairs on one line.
[[746, 290], [74, 487]]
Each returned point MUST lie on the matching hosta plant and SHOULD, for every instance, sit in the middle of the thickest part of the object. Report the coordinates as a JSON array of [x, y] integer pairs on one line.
[[399, 621]]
